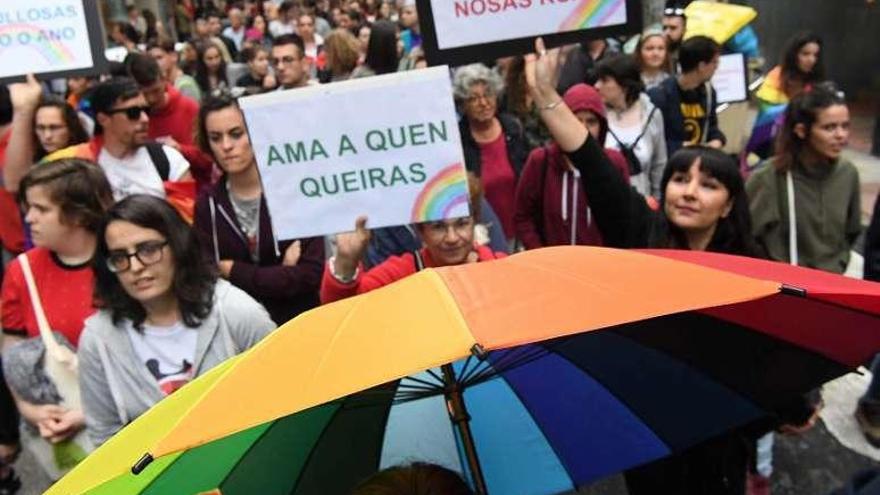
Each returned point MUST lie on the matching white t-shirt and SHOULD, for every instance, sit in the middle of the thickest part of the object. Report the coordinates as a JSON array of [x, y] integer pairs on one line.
[[136, 173], [168, 353], [237, 37]]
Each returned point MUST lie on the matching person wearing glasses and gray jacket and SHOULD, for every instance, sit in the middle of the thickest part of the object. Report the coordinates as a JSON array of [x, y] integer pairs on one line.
[[163, 319]]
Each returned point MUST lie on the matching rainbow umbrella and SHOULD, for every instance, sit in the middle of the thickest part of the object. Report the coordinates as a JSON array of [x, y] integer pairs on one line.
[[533, 374]]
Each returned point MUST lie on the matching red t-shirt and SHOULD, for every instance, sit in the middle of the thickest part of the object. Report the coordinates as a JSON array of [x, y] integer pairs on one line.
[[499, 182], [11, 228], [178, 119], [65, 291]]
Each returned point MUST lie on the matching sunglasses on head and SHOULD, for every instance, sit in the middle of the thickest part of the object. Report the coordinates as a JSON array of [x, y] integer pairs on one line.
[[133, 113], [674, 11]]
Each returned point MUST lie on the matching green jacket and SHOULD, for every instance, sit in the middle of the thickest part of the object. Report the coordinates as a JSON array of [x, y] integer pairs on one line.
[[828, 212]]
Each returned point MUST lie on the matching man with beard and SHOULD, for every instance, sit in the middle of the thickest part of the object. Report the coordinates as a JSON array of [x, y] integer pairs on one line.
[[121, 146], [674, 27]]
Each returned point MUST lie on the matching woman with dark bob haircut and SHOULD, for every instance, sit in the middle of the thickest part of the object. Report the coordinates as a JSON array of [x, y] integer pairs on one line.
[[164, 318], [635, 125]]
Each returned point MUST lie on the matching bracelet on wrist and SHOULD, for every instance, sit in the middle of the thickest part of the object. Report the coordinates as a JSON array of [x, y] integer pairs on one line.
[[550, 106]]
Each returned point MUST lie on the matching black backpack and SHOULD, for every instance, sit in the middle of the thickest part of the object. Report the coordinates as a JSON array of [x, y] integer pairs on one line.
[[628, 150]]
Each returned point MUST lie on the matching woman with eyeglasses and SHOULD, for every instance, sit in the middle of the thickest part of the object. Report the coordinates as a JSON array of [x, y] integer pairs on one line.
[[445, 243], [163, 319], [41, 124], [64, 202], [494, 142]]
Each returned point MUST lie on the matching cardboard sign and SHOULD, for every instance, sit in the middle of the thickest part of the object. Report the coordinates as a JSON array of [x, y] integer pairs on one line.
[[52, 38], [457, 32], [387, 147], [731, 79]]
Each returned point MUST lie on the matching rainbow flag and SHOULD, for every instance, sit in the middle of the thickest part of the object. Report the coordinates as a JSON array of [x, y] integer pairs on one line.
[[592, 13], [441, 195]]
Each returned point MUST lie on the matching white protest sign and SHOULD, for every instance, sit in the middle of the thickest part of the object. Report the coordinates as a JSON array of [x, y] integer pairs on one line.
[[40, 36], [387, 147], [461, 23], [730, 80]]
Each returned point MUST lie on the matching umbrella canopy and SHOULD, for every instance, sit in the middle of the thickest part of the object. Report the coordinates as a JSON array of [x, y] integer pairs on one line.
[[570, 364]]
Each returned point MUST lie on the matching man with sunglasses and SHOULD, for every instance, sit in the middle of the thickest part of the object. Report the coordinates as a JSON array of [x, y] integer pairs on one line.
[[290, 62], [173, 116], [121, 145], [674, 27]]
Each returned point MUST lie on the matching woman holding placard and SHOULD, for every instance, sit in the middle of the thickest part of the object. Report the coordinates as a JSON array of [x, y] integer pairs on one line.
[[40, 125], [233, 222], [445, 243], [494, 143]]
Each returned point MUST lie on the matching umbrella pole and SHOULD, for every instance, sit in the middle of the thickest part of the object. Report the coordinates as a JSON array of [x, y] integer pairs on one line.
[[460, 418]]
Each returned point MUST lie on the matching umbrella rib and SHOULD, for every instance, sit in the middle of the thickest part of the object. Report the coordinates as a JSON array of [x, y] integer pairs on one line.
[[464, 369], [419, 387], [492, 371], [424, 382], [435, 375]]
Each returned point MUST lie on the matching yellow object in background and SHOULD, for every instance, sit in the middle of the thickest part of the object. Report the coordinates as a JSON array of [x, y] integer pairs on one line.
[[719, 21]]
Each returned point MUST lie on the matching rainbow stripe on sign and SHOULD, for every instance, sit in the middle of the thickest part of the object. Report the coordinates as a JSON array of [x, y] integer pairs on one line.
[[444, 192], [592, 13], [53, 51]]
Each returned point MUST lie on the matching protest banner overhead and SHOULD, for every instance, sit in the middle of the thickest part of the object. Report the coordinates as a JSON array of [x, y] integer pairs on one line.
[[51, 38], [458, 32], [387, 147]]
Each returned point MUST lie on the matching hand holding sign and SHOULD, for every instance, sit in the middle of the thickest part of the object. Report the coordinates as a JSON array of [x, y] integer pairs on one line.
[[385, 146], [542, 69], [51, 38], [26, 95], [350, 249]]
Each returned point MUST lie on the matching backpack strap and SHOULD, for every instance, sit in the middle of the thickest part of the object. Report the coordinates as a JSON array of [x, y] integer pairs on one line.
[[159, 159], [418, 260], [632, 146]]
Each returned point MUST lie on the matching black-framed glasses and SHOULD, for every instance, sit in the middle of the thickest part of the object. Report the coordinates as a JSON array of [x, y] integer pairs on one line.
[[147, 252], [133, 113]]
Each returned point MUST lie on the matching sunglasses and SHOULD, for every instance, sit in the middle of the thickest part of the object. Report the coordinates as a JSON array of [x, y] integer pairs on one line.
[[674, 11], [133, 113]]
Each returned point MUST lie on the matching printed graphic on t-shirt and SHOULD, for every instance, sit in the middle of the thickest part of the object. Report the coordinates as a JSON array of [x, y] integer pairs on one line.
[[693, 114], [170, 382]]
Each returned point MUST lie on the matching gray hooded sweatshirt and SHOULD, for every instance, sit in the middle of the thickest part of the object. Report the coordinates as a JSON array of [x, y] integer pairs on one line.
[[115, 389]]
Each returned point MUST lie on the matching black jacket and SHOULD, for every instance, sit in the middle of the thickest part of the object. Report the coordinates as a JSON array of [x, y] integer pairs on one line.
[[517, 151], [667, 97], [285, 291]]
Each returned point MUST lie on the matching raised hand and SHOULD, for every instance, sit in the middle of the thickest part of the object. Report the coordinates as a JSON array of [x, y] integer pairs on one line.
[[26, 94], [292, 254], [542, 70], [350, 248]]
